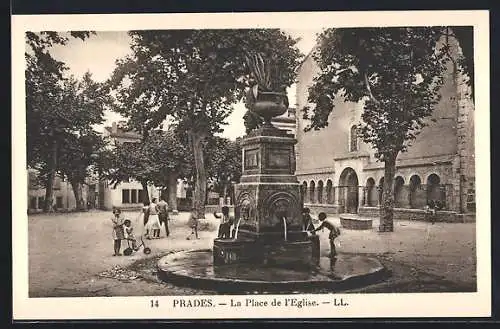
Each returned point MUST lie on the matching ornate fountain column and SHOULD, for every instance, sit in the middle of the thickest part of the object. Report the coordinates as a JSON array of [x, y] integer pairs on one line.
[[268, 204], [268, 187]]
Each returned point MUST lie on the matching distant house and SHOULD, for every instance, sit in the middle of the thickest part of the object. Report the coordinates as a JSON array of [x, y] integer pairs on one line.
[[64, 198], [125, 194]]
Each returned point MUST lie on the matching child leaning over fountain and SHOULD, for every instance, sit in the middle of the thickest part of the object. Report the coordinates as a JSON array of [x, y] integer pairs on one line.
[[226, 223], [334, 232]]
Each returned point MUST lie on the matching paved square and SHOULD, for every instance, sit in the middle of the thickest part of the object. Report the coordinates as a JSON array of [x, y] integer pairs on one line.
[[66, 249]]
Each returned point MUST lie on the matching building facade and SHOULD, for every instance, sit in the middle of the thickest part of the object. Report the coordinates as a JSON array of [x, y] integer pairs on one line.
[[64, 197], [125, 194], [340, 174]]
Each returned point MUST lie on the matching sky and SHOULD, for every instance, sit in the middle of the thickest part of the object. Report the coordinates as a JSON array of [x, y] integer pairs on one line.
[[99, 53]]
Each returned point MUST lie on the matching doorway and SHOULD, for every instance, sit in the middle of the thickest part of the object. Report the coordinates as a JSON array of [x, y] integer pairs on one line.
[[350, 185]]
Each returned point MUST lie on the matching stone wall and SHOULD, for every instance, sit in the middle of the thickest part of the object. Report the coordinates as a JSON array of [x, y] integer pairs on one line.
[[412, 214]]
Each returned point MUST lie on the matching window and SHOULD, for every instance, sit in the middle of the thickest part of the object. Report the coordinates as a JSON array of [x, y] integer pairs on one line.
[[353, 136], [329, 191], [125, 196], [41, 201], [139, 196], [59, 202], [133, 196], [57, 183], [320, 191], [311, 192], [33, 202]]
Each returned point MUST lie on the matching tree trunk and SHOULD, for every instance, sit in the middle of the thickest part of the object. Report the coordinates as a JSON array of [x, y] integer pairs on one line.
[[172, 192], [49, 184], [77, 191], [387, 206], [224, 192], [145, 192], [200, 186]]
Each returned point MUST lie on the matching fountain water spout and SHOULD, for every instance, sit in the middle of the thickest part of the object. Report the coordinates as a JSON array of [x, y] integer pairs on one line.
[[284, 228], [236, 229]]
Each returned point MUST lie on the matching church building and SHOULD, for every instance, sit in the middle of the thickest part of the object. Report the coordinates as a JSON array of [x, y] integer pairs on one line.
[[339, 173]]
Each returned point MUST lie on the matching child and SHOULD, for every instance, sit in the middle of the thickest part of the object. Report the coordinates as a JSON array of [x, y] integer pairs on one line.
[[163, 214], [145, 218], [307, 224], [118, 232], [193, 224], [334, 232], [226, 223], [154, 220], [129, 233]]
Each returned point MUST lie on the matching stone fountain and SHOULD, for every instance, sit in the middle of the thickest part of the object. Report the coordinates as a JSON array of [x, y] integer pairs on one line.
[[268, 251], [268, 201]]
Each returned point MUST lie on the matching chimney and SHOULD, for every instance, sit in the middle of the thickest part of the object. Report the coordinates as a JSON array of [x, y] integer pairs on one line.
[[114, 128]]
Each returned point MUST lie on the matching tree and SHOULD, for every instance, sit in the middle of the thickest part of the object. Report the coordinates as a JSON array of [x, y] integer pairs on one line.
[[223, 158], [159, 159], [47, 119], [396, 73], [86, 101], [193, 77], [78, 156]]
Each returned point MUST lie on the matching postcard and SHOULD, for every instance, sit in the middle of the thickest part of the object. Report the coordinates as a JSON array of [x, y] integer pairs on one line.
[[251, 165]]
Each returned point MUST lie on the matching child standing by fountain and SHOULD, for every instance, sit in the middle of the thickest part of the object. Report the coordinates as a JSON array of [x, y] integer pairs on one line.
[[307, 224], [334, 232], [226, 223]]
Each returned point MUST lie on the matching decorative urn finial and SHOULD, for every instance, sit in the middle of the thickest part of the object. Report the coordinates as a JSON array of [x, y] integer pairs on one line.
[[265, 97]]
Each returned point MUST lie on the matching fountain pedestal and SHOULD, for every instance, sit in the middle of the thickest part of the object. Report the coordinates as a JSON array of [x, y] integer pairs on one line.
[[268, 206]]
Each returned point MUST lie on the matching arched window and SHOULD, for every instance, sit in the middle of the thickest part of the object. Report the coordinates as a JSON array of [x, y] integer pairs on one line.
[[417, 199], [398, 192], [303, 191], [435, 191], [320, 191], [312, 188], [329, 191], [353, 139], [371, 192]]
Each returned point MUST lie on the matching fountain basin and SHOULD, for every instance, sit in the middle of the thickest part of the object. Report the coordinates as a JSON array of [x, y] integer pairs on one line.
[[195, 269], [354, 222], [292, 254]]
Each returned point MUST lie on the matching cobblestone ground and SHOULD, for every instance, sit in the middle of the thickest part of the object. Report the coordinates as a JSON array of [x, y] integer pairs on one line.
[[71, 254]]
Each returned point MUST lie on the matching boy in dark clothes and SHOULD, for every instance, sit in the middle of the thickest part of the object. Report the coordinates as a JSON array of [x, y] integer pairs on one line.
[[225, 225], [307, 224]]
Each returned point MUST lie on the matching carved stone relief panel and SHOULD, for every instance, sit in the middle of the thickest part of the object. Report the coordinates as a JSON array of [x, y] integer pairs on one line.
[[245, 209]]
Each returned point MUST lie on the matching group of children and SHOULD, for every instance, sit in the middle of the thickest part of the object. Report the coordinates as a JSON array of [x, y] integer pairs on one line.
[[122, 230], [308, 226], [153, 217], [227, 222]]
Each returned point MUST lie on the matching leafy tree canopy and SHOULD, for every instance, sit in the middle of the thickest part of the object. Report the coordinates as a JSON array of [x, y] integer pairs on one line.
[[194, 76], [396, 72]]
